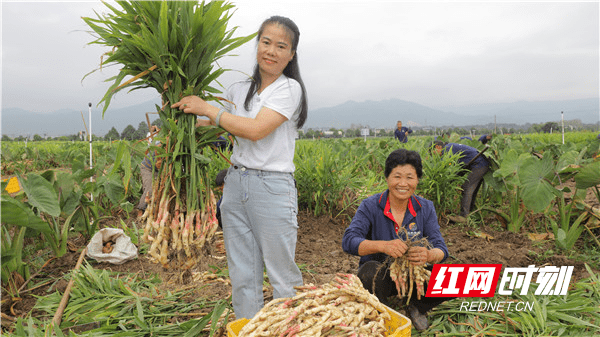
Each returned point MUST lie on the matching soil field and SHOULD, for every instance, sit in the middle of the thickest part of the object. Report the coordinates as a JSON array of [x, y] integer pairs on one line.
[[319, 255]]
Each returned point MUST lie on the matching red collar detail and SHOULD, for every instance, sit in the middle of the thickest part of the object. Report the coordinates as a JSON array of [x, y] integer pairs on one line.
[[387, 211], [411, 208]]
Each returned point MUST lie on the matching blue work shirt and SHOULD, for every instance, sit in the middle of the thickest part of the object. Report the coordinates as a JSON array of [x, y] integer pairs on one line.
[[484, 139], [401, 134], [467, 153], [373, 221], [222, 144]]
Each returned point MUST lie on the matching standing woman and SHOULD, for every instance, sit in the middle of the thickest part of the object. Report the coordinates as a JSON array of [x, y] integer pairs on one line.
[[260, 201]]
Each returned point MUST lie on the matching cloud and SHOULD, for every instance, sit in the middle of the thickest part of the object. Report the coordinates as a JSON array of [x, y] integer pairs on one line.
[[46, 55], [432, 53]]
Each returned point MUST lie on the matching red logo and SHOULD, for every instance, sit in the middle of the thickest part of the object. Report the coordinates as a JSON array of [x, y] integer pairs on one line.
[[463, 280]]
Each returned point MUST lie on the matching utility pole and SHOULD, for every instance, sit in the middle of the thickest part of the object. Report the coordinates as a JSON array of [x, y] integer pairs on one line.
[[562, 118], [495, 131], [90, 134]]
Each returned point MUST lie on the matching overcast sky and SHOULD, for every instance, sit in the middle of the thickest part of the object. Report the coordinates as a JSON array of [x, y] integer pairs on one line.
[[438, 54]]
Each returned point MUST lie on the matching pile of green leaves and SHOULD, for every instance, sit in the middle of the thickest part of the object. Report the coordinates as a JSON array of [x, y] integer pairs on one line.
[[125, 306]]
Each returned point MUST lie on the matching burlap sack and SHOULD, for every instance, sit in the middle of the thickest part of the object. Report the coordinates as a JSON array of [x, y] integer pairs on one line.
[[123, 251]]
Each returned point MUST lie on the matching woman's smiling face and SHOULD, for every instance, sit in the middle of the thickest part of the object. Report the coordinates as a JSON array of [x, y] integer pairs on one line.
[[274, 50], [402, 182]]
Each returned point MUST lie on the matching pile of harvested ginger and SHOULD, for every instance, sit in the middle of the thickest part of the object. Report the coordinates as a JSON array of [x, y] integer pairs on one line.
[[342, 307]]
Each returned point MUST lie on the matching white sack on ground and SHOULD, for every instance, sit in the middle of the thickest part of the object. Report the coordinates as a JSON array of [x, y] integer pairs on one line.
[[123, 251]]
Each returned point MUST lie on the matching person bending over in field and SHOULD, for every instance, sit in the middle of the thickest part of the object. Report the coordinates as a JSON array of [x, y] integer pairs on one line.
[[260, 200], [485, 138], [383, 226], [475, 164]]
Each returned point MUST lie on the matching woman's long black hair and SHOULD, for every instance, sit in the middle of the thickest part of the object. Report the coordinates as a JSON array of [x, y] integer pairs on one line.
[[291, 70]]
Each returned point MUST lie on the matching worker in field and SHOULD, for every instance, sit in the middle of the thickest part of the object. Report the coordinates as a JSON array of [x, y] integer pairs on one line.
[[443, 137], [485, 138], [223, 143], [260, 200], [384, 224], [149, 165], [401, 132], [476, 166], [220, 183]]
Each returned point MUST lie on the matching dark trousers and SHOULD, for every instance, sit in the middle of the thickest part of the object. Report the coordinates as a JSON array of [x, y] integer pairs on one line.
[[470, 188], [146, 174], [374, 274]]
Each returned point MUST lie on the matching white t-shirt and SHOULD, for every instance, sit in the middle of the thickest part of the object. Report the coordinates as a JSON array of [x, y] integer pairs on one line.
[[275, 152]]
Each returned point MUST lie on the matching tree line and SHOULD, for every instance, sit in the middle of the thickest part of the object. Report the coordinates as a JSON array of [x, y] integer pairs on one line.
[[128, 133], [131, 133], [355, 131]]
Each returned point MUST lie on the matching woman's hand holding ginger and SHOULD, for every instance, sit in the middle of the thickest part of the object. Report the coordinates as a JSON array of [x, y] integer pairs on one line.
[[417, 255], [394, 248]]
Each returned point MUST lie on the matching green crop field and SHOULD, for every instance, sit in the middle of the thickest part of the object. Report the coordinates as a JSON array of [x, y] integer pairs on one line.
[[537, 184]]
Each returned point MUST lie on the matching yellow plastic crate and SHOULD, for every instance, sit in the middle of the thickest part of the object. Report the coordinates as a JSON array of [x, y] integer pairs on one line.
[[13, 185], [398, 326]]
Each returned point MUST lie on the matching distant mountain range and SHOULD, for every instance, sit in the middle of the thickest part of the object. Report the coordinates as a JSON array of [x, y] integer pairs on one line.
[[385, 114], [375, 114], [64, 122]]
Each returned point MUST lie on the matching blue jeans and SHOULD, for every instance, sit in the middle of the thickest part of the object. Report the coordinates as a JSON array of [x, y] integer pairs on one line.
[[260, 228]]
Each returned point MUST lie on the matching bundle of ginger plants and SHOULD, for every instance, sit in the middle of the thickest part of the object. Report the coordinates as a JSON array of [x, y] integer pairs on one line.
[[172, 46], [406, 275]]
